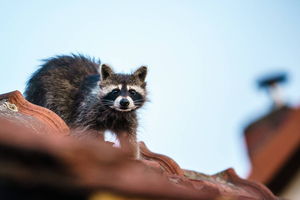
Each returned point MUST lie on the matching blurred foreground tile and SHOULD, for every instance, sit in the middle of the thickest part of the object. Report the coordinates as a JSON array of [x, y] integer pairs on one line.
[[40, 160]]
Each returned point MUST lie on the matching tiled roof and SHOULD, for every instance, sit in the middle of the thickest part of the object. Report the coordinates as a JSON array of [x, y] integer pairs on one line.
[[39, 160]]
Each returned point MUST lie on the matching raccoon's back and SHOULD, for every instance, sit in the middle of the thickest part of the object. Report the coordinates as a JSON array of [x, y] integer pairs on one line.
[[57, 83]]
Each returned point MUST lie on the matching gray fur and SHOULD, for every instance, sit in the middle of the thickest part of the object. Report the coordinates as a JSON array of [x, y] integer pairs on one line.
[[71, 86]]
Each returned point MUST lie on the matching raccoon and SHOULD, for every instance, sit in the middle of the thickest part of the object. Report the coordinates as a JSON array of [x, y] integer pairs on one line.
[[91, 98]]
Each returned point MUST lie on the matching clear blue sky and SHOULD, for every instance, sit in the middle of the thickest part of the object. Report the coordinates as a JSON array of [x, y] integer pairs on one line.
[[203, 58]]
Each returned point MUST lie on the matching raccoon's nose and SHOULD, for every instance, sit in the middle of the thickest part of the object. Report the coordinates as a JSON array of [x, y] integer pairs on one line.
[[124, 102]]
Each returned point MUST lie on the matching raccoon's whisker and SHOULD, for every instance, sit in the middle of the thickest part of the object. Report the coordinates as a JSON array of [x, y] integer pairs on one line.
[[107, 104], [139, 100], [108, 101]]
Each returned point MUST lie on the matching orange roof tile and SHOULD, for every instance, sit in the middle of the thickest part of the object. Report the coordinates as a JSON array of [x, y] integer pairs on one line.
[[39, 159]]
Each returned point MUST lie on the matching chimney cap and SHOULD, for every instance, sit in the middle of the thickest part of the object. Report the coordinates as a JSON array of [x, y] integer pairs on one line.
[[271, 79]]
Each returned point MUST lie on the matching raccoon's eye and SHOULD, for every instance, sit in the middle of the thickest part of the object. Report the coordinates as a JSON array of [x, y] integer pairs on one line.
[[131, 91], [115, 91]]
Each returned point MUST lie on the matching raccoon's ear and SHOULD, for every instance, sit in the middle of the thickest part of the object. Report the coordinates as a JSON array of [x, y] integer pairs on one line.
[[141, 73], [106, 71]]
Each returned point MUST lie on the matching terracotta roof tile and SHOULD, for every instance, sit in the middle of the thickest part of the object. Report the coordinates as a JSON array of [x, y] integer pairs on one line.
[[39, 160]]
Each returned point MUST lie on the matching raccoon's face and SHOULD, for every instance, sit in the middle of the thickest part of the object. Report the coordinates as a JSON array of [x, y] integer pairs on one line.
[[123, 92]]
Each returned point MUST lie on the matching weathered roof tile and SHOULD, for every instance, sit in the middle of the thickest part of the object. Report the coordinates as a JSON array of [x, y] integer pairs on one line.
[[39, 159]]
